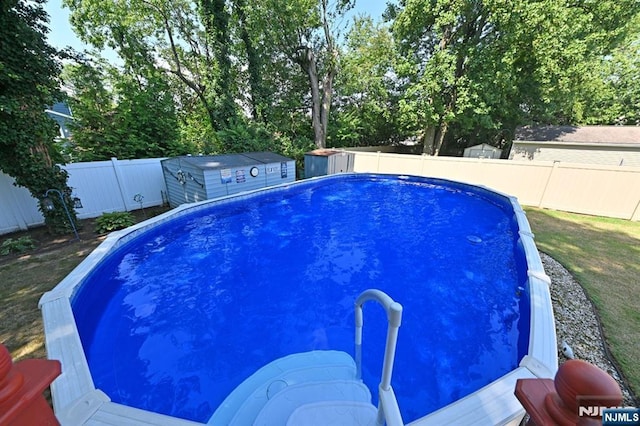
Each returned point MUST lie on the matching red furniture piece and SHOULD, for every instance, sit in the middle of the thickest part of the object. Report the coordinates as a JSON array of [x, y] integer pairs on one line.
[[21, 387], [576, 384]]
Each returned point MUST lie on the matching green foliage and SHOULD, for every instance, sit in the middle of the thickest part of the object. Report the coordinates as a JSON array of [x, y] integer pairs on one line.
[[109, 222], [366, 110], [18, 245], [479, 69], [136, 118], [215, 18], [450, 73], [245, 136], [249, 136], [196, 134], [167, 37], [615, 96], [28, 82]]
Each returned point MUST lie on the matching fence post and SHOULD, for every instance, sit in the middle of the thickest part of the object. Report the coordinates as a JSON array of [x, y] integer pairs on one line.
[[546, 185], [120, 180], [635, 216]]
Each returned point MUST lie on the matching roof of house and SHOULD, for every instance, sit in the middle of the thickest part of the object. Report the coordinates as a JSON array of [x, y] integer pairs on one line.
[[606, 135]]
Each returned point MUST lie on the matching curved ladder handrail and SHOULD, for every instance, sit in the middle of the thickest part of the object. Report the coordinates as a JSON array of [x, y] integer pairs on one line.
[[388, 409]]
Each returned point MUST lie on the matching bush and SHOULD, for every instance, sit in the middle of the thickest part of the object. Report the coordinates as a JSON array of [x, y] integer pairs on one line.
[[19, 245], [113, 221]]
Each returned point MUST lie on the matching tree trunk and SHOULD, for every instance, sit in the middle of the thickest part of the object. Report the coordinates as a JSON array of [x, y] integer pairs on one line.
[[327, 92], [439, 139], [428, 140], [307, 62], [198, 89], [216, 21], [253, 65]]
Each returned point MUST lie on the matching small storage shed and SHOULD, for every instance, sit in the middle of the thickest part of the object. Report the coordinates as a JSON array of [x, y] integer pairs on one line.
[[322, 162], [482, 151], [190, 179]]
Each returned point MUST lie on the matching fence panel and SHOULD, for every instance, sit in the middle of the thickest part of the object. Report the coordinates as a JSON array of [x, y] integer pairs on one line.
[[504, 176], [142, 177], [595, 190], [580, 188], [107, 186], [18, 210], [101, 186], [96, 185]]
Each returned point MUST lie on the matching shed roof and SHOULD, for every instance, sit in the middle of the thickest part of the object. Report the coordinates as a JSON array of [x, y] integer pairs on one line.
[[587, 135], [267, 157], [324, 152], [484, 146], [217, 161]]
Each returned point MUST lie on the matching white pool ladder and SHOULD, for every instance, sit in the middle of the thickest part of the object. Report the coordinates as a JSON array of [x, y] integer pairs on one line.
[[388, 410], [318, 387]]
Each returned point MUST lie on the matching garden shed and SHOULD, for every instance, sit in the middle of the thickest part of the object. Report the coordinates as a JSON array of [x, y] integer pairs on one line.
[[482, 151], [322, 162], [196, 178]]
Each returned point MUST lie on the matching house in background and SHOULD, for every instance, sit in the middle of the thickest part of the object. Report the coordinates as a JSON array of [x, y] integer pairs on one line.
[[61, 114], [603, 145]]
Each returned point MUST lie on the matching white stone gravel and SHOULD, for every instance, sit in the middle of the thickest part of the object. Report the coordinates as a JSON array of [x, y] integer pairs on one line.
[[577, 323]]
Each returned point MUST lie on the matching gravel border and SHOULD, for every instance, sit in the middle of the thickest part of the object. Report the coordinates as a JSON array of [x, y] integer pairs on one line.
[[578, 325]]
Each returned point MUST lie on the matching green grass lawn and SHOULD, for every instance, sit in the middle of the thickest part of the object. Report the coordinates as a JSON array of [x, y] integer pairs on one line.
[[604, 256]]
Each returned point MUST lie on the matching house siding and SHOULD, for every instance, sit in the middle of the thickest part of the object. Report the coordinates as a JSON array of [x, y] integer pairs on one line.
[[601, 155]]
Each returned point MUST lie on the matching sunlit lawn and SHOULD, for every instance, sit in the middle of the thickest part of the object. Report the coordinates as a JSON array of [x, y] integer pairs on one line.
[[604, 256]]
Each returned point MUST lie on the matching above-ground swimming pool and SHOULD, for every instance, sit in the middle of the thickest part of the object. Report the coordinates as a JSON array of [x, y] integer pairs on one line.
[[170, 316]]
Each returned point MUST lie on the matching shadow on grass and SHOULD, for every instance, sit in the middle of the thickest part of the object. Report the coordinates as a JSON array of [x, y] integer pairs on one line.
[[25, 277], [604, 256], [23, 282]]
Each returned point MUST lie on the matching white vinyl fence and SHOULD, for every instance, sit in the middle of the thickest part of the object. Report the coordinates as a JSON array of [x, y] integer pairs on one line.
[[101, 186], [580, 188], [107, 186]]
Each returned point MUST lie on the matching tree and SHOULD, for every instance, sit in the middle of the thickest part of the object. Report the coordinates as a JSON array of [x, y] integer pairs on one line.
[[227, 55], [92, 105], [480, 68], [216, 23], [614, 94], [365, 110], [304, 33], [163, 35], [135, 118], [257, 91], [559, 50], [28, 83]]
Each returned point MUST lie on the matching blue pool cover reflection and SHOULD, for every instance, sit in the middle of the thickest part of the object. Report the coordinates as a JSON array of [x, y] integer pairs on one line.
[[175, 319]]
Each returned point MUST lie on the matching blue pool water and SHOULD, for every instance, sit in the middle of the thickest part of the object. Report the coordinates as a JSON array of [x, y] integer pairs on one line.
[[175, 319]]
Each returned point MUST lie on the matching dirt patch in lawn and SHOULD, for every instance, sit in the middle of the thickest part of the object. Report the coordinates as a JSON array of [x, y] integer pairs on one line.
[[25, 277]]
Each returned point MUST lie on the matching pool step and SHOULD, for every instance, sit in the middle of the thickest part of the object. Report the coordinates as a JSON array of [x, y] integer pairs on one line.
[[338, 402], [334, 413], [244, 403]]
